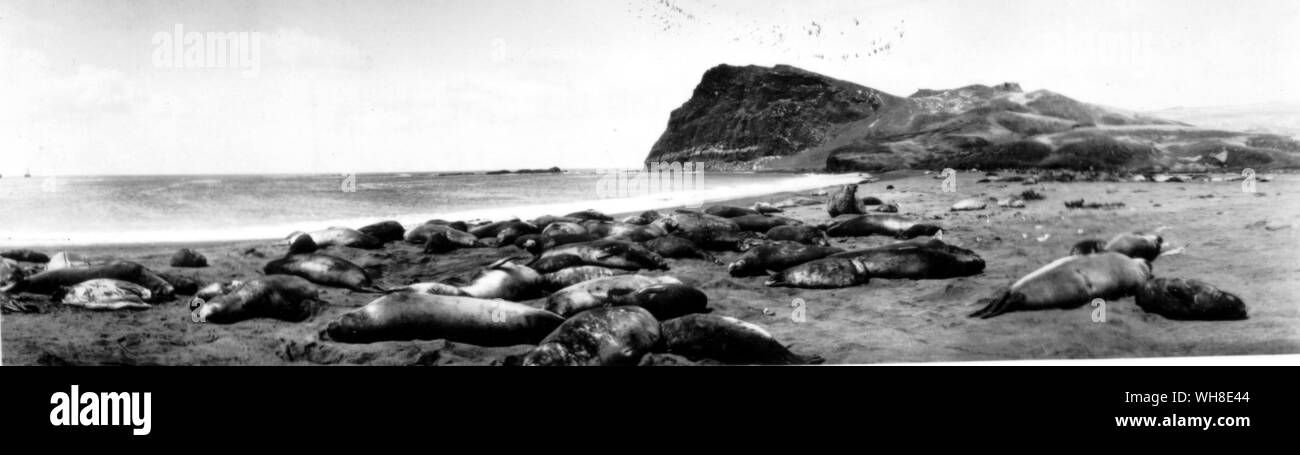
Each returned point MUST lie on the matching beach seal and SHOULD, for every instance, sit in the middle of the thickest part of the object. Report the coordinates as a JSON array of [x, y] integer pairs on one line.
[[186, 257], [492, 230], [24, 255], [283, 297], [415, 316], [682, 220], [1189, 299], [570, 276], [763, 223], [217, 289], [302, 244], [615, 254], [677, 247], [728, 340], [181, 284], [419, 235], [894, 226], [729, 211], [1137, 245], [384, 231], [764, 208], [545, 220], [664, 301], [10, 273], [105, 294], [50, 281], [323, 269], [805, 234], [1071, 282], [590, 215], [563, 228], [825, 273], [504, 279], [714, 239], [595, 293], [510, 233], [603, 336], [777, 256], [968, 204], [340, 236], [556, 262], [845, 201], [432, 287], [931, 259]]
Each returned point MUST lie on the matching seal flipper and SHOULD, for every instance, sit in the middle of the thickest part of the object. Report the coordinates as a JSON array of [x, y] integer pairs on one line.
[[1005, 301]]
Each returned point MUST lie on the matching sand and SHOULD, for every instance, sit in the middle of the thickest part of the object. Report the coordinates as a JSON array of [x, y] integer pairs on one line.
[[1240, 242]]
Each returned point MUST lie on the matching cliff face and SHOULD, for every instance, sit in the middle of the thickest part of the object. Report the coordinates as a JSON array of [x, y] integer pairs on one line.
[[785, 118]]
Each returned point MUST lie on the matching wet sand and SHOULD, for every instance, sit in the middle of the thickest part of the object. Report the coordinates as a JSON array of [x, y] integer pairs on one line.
[[1240, 242]]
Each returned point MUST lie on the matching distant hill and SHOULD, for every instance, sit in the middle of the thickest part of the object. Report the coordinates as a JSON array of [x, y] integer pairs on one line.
[[786, 118], [1270, 118]]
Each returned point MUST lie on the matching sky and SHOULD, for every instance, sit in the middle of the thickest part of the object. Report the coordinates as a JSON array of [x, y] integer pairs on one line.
[[343, 86]]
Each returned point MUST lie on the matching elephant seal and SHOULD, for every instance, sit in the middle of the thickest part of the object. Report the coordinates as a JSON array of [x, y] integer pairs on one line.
[[434, 288], [676, 247], [762, 223], [764, 208], [186, 257], [181, 284], [845, 201], [805, 234], [967, 205], [50, 281], [509, 234], [563, 227], [776, 256], [825, 273], [664, 301], [217, 289], [544, 220], [556, 262], [871, 200], [104, 294], [491, 230], [624, 231], [419, 235], [283, 297], [1090, 246], [729, 211], [24, 255], [615, 254], [413, 316], [536, 244], [594, 293], [10, 273], [341, 236], [1188, 299], [302, 244], [590, 215], [603, 336], [504, 279], [1071, 282], [384, 231], [570, 276], [457, 225], [918, 260], [1137, 245], [795, 202], [865, 225], [714, 239], [728, 340], [323, 269]]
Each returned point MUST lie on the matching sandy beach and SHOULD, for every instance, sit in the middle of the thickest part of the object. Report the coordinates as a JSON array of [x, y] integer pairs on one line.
[[1241, 242]]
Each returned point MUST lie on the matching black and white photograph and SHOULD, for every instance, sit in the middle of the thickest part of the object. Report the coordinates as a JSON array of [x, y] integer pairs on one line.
[[648, 182]]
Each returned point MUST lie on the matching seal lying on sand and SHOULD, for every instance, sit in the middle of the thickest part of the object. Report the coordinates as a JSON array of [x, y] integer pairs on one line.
[[672, 246], [323, 269], [682, 220], [664, 301], [932, 259], [1134, 245], [556, 262], [615, 254], [536, 244], [594, 293], [419, 235], [10, 273], [714, 239], [432, 287], [729, 211], [603, 336], [217, 289], [384, 231], [777, 256], [341, 236], [845, 201], [50, 281], [24, 255], [590, 215], [624, 231], [880, 225], [808, 235], [1071, 282], [504, 279], [412, 316], [104, 294], [825, 273], [763, 223], [726, 339], [1177, 298], [283, 297], [570, 276]]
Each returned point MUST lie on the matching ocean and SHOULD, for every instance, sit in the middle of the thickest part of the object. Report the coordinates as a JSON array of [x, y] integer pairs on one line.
[[83, 210]]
